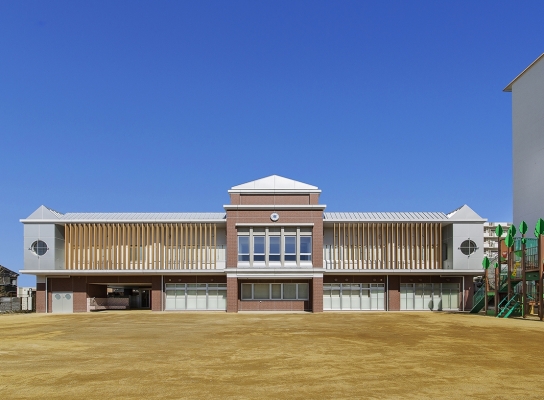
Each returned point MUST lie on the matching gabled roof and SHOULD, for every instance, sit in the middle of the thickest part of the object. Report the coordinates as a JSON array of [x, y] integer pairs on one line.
[[508, 88], [274, 184], [44, 212], [466, 214], [8, 272]]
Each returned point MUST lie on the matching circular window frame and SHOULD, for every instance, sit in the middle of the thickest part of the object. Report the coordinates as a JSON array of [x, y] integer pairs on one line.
[[39, 248], [468, 247]]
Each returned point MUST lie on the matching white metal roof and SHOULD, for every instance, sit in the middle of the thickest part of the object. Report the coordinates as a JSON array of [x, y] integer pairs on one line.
[[135, 217], [274, 184], [385, 217]]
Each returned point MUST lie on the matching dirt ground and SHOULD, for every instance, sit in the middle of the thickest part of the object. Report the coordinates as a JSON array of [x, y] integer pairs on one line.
[[144, 355]]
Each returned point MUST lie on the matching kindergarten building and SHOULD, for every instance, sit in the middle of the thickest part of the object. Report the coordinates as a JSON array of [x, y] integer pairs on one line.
[[274, 248]]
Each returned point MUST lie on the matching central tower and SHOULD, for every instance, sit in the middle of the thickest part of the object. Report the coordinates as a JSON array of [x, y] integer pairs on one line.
[[274, 246]]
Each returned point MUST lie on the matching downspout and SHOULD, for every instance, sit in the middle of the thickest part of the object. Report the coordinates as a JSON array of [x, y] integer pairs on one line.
[[162, 292]]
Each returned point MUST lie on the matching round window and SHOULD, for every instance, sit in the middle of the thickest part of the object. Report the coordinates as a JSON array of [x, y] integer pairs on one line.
[[39, 247], [468, 247]]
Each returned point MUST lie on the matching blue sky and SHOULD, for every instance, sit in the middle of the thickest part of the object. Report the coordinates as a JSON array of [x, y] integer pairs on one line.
[[163, 106]]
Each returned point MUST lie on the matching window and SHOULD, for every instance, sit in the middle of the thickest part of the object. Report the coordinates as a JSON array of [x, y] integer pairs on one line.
[[39, 247], [290, 249], [196, 296], [258, 248], [275, 291], [274, 248], [261, 291], [275, 245], [354, 296], [305, 248], [243, 248], [468, 247]]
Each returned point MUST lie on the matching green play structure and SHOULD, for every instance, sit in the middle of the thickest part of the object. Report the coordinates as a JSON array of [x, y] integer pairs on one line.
[[513, 287]]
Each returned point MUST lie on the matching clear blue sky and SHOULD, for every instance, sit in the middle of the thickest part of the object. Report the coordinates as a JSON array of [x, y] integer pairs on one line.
[[163, 106]]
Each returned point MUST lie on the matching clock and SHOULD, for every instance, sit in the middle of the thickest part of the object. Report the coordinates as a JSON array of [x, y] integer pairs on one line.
[[274, 217]]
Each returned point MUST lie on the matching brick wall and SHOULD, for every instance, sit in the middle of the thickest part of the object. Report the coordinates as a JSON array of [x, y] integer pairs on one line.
[[263, 217], [156, 294], [232, 294], [40, 297], [393, 294], [317, 295], [274, 305]]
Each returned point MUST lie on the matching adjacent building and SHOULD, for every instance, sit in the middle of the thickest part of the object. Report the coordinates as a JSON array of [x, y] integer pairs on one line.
[[8, 282], [490, 238], [273, 248], [528, 143]]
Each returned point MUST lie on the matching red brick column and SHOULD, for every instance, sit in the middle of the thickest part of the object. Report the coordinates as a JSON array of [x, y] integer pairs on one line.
[[232, 294], [317, 295], [469, 293], [393, 293], [40, 297], [156, 294], [79, 291]]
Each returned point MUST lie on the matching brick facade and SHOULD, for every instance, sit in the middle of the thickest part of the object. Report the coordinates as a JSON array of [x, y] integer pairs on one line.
[[252, 206]]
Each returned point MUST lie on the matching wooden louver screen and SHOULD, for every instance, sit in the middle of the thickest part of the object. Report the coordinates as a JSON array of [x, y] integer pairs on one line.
[[385, 246], [140, 246]]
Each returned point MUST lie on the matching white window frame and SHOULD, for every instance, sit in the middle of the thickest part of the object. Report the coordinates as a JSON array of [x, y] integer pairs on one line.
[[297, 296], [284, 232], [168, 287]]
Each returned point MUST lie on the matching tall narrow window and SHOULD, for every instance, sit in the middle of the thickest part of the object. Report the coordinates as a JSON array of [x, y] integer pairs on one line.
[[305, 248], [258, 248], [290, 248], [274, 250], [243, 248]]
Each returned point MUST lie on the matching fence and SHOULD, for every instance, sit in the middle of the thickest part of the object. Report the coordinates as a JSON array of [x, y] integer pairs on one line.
[[10, 304]]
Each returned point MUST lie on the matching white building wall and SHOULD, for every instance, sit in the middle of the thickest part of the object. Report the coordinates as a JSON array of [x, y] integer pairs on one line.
[[53, 236], [528, 146], [467, 231]]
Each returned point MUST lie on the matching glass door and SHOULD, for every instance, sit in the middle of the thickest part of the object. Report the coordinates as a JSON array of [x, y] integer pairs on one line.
[[145, 300]]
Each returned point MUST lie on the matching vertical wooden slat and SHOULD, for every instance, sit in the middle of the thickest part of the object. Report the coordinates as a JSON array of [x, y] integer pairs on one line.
[[353, 244], [333, 258], [114, 245], [110, 247], [410, 233], [363, 246], [154, 245], [177, 264], [200, 266], [102, 247], [93, 248], [67, 246], [164, 254], [397, 249], [440, 256], [77, 246], [205, 246], [359, 246], [184, 230]]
